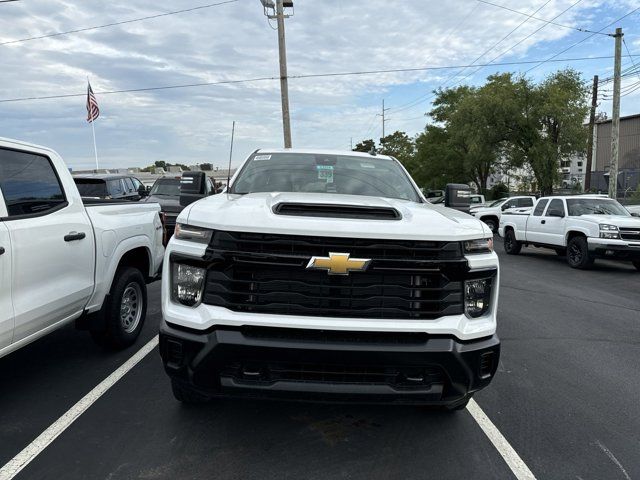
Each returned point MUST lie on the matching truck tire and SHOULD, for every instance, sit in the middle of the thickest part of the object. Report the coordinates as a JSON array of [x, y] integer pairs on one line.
[[578, 253], [491, 223], [511, 245], [184, 394], [636, 263], [125, 310]]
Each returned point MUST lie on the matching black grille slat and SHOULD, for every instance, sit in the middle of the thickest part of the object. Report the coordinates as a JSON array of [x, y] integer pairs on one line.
[[266, 273]]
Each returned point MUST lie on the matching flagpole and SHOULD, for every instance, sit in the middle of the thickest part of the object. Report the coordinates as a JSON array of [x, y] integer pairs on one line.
[[95, 148], [93, 130]]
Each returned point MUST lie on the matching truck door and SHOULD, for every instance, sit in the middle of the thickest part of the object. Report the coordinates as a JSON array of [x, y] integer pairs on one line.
[[51, 238], [551, 226], [6, 307], [534, 222]]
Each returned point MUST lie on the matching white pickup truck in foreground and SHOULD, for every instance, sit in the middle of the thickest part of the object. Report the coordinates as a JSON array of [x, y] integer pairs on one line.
[[62, 260], [326, 275], [583, 227]]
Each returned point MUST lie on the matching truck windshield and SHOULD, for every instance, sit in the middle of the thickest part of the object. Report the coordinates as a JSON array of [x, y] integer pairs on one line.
[[595, 206], [166, 186], [320, 173]]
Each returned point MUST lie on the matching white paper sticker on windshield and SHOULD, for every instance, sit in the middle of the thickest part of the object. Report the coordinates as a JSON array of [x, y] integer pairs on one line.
[[325, 172], [262, 157], [367, 165]]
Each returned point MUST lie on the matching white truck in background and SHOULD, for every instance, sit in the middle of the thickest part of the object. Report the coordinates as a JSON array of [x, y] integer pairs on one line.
[[582, 227], [62, 260], [491, 214]]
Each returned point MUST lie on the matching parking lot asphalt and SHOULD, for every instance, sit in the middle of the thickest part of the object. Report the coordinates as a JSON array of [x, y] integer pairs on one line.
[[565, 397]]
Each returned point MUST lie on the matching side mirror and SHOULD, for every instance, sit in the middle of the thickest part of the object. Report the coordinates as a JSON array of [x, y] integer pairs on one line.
[[143, 191], [635, 214], [192, 187], [458, 196], [555, 213]]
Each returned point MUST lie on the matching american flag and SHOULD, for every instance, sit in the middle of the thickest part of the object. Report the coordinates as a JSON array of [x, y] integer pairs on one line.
[[93, 111]]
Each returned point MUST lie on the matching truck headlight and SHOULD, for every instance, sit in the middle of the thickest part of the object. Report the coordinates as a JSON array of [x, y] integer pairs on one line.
[[609, 231], [481, 245], [194, 234], [477, 297], [187, 284]]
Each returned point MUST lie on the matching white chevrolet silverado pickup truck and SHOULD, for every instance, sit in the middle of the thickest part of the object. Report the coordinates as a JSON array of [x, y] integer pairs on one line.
[[62, 260], [326, 275], [582, 227]]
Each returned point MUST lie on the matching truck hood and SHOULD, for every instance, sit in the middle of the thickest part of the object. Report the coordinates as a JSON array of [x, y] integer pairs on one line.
[[254, 212], [617, 220]]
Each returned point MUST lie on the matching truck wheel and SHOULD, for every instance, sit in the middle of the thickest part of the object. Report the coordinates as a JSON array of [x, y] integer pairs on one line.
[[578, 253], [511, 245], [636, 263], [186, 395], [491, 223], [125, 310]]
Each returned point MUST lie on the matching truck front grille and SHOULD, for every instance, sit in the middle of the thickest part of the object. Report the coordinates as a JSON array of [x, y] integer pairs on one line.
[[627, 233], [264, 273]]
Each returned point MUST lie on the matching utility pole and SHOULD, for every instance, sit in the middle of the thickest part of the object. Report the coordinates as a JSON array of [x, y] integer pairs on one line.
[[615, 120], [592, 122], [275, 9], [384, 120]]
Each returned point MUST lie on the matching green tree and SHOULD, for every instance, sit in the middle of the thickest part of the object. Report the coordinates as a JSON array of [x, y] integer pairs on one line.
[[435, 164], [549, 125], [398, 145], [365, 146]]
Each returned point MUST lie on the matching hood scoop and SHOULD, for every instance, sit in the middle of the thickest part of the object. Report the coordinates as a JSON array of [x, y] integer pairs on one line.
[[359, 212]]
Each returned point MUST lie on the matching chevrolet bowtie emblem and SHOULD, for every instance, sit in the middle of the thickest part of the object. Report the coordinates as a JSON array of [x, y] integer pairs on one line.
[[339, 264]]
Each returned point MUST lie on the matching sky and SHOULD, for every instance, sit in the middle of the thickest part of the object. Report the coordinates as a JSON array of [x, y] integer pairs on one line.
[[235, 41]]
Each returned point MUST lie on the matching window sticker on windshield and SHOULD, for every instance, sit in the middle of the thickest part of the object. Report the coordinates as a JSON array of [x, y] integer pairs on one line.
[[262, 157], [325, 172], [367, 165]]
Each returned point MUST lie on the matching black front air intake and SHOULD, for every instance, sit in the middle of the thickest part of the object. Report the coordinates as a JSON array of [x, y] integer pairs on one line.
[[337, 211]]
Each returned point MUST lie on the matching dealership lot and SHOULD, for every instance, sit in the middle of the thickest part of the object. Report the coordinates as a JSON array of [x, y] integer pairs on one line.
[[565, 397]]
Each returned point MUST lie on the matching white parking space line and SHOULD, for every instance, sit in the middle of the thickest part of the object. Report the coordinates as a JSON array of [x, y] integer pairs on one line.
[[515, 463], [31, 451]]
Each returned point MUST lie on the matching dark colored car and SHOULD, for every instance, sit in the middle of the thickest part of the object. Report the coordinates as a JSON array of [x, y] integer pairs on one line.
[[110, 186], [166, 192]]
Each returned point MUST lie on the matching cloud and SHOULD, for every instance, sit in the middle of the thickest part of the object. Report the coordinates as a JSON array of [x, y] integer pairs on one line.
[[235, 41]]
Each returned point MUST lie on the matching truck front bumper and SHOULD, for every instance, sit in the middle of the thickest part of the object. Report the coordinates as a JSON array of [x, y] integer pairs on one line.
[[614, 249], [319, 365]]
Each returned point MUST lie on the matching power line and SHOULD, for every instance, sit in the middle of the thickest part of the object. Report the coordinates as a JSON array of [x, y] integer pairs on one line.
[[455, 28], [309, 75], [113, 24], [523, 39], [451, 77], [429, 96], [583, 40], [627, 48], [550, 22]]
